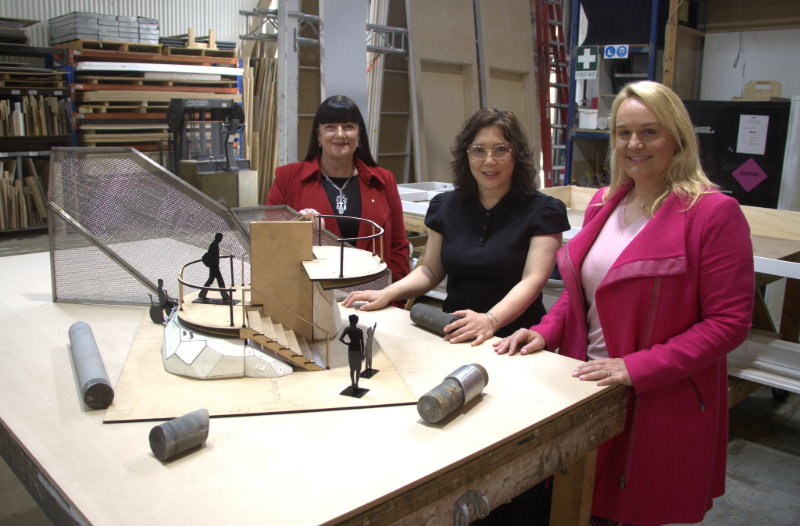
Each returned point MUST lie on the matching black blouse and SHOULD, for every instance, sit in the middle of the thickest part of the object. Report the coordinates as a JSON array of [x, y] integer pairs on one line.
[[484, 251]]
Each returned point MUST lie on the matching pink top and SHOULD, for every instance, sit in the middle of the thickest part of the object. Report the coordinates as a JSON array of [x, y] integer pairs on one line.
[[610, 243]]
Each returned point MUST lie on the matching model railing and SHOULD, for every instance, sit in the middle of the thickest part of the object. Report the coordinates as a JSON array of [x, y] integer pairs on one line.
[[344, 240], [181, 282]]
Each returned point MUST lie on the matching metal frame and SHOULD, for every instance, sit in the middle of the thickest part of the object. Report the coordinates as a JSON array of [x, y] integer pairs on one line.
[[380, 39]]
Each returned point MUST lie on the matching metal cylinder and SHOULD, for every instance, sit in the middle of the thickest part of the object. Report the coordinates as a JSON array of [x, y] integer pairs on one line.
[[179, 434], [431, 318], [457, 389], [92, 376]]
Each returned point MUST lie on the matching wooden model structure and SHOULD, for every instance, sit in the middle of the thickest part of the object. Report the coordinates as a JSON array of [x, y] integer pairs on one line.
[[290, 300]]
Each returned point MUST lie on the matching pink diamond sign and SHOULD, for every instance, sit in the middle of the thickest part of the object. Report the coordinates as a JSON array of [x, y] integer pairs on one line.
[[749, 175]]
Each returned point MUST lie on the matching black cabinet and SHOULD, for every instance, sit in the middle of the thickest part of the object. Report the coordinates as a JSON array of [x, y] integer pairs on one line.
[[753, 178]]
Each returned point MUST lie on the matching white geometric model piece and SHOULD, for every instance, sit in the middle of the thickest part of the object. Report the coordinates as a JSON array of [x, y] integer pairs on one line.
[[186, 353]]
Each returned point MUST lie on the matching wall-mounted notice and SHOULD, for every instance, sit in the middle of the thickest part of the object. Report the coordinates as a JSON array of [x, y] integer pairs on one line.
[[752, 134]]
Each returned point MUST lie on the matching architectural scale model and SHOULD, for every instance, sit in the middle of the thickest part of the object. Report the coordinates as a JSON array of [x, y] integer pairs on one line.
[[121, 216]]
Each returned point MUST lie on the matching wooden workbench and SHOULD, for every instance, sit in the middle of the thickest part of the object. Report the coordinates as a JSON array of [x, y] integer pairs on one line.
[[366, 466]]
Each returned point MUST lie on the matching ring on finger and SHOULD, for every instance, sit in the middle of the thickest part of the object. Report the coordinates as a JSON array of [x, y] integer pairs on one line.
[[609, 373]]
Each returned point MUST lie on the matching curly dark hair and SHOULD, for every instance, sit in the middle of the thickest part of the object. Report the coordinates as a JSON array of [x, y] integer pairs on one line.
[[524, 179], [339, 109]]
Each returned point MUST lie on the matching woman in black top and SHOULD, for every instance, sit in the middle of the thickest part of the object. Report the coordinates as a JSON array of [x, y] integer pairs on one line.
[[495, 237]]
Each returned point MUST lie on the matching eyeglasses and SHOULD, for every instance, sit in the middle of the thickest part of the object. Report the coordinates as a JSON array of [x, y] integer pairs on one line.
[[501, 152]]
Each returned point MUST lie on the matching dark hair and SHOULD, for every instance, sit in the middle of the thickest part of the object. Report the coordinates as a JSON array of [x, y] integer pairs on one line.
[[335, 110], [353, 318], [524, 180]]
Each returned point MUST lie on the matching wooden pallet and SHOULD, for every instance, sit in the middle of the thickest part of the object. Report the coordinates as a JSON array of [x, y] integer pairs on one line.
[[100, 139], [92, 117], [132, 106], [105, 45], [33, 84], [149, 96], [197, 52], [120, 56], [141, 81], [139, 87]]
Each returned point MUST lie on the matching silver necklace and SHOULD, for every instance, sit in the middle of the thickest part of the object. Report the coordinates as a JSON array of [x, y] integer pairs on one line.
[[341, 200]]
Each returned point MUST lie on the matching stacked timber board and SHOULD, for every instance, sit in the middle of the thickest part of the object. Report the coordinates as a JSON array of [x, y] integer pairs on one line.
[[121, 97], [22, 200]]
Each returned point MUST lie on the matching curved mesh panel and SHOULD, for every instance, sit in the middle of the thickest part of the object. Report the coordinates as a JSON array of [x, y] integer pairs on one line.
[[150, 223]]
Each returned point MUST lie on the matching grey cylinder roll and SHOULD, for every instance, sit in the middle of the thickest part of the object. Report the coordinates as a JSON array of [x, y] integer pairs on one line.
[[431, 318], [457, 389], [92, 376], [179, 434]]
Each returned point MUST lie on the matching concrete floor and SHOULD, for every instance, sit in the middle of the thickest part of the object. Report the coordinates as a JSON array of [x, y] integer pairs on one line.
[[763, 479]]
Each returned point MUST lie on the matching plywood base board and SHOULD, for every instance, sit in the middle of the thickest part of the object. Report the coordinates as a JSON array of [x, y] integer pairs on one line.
[[145, 391]]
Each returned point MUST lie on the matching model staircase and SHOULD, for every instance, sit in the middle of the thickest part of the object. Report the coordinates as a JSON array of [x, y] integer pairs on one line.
[[292, 347], [553, 86]]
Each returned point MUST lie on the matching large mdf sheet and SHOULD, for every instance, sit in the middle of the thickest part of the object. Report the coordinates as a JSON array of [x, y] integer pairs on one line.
[[507, 39], [278, 249], [445, 85], [145, 391]]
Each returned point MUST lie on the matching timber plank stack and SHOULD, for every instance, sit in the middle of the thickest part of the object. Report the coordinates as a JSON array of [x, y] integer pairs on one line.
[[22, 201], [122, 90], [35, 105]]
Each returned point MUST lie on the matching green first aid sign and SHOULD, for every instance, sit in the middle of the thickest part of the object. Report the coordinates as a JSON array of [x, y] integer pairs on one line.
[[586, 62]]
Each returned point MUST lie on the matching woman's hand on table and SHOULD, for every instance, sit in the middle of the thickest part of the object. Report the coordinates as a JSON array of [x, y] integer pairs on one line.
[[607, 371], [314, 215], [524, 341], [375, 299], [471, 325]]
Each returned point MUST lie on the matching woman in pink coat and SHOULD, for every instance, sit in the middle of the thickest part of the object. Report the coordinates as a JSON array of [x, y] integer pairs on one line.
[[659, 288]]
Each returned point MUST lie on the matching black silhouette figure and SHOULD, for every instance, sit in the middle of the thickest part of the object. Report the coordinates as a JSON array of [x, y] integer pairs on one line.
[[355, 355], [369, 372], [161, 311], [164, 301], [211, 260]]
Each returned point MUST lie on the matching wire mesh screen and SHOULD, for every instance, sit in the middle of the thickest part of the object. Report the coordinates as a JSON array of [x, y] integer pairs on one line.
[[145, 219]]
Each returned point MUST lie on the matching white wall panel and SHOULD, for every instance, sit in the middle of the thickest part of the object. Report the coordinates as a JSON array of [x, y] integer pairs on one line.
[[766, 55], [174, 16]]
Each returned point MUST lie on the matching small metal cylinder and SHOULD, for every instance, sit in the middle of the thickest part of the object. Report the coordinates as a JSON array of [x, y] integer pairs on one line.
[[431, 318], [179, 434], [457, 389], [92, 376]]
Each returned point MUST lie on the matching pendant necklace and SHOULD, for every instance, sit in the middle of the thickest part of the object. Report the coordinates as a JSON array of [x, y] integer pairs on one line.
[[341, 200]]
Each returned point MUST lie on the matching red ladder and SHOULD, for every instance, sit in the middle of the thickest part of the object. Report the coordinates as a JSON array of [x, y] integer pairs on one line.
[[553, 87]]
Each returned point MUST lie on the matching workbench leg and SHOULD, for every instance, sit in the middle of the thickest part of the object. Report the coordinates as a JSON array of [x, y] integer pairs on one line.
[[790, 318], [44, 492], [573, 488], [761, 316]]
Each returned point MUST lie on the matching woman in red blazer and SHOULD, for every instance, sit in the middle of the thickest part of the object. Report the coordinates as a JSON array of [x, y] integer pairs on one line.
[[339, 177], [655, 304]]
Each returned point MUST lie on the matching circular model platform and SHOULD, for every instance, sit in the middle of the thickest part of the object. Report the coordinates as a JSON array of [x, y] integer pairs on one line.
[[359, 266]]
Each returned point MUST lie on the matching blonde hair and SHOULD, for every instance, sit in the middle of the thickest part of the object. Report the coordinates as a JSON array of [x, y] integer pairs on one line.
[[683, 174]]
